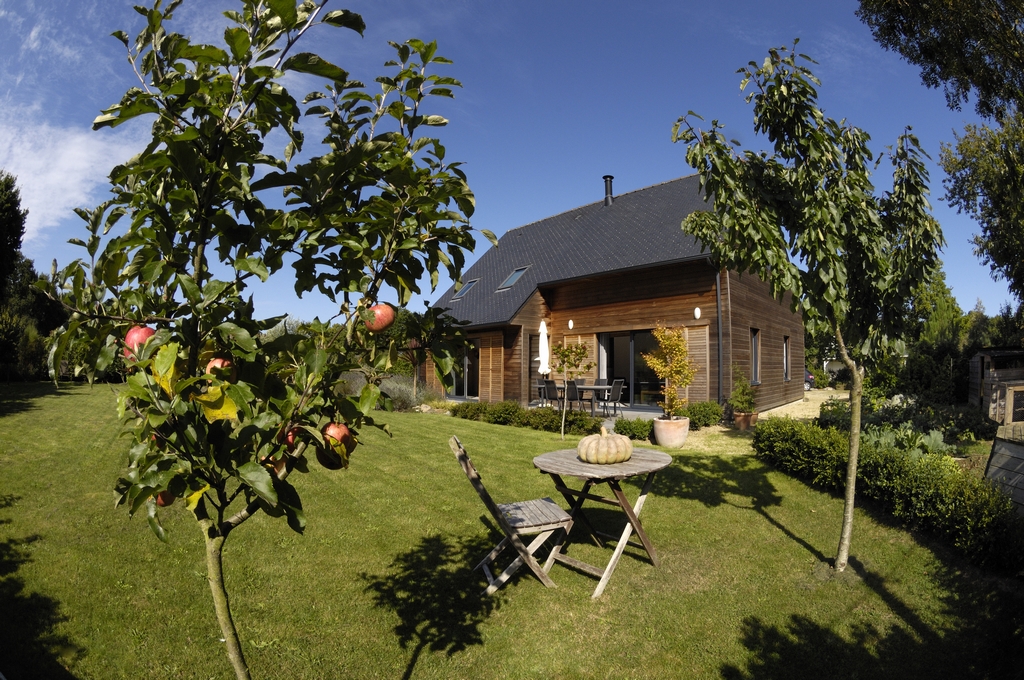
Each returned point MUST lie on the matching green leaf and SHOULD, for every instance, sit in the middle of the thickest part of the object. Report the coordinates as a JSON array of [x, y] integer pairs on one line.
[[306, 62], [258, 479], [253, 265], [236, 336], [154, 521], [368, 399], [285, 9], [346, 19], [238, 40], [315, 360]]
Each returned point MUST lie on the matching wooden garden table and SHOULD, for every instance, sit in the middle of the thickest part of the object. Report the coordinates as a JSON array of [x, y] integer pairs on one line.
[[565, 463]]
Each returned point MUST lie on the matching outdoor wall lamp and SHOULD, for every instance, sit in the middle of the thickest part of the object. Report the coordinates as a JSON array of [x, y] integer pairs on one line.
[[570, 324], [696, 312]]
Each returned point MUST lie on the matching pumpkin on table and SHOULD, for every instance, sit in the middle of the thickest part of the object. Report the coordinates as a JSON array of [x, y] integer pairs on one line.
[[604, 448]]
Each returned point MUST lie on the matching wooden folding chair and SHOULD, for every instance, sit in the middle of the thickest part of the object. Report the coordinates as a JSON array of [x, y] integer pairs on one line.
[[542, 517]]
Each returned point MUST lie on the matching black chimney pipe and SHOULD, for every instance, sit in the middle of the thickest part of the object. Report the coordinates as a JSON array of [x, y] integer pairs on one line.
[[608, 198]]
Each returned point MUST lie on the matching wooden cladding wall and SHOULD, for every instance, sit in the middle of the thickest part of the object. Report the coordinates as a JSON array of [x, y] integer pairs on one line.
[[590, 340], [492, 359], [515, 358], [641, 286], [528, 320], [697, 343], [680, 289], [751, 306]]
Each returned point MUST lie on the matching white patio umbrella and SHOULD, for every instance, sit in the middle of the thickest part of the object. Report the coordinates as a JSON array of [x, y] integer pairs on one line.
[[544, 368]]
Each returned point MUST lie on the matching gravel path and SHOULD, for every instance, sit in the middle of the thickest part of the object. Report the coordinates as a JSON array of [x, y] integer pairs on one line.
[[809, 407]]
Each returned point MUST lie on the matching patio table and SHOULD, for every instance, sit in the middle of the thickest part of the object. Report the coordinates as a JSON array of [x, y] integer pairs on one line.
[[603, 389], [564, 462]]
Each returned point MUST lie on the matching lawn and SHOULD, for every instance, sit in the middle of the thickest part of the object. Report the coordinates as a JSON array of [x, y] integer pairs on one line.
[[379, 586]]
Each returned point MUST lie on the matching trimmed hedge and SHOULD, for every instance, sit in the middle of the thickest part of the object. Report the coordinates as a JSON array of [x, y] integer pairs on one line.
[[639, 428], [927, 491], [513, 414], [704, 414]]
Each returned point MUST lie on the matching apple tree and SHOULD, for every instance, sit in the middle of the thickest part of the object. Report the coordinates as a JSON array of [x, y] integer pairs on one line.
[[224, 195], [805, 219]]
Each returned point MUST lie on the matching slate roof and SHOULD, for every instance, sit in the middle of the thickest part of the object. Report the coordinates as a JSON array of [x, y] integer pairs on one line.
[[639, 229]]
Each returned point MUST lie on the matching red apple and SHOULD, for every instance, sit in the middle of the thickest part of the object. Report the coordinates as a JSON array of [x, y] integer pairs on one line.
[[134, 338], [329, 459], [278, 466], [339, 432], [220, 367], [383, 317], [164, 498], [288, 438], [335, 433]]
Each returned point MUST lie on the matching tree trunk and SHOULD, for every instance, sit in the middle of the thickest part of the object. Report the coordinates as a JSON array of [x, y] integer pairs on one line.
[[856, 390], [415, 377], [215, 576]]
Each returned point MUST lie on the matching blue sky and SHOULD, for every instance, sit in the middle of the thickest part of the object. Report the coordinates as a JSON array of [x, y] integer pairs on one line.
[[556, 94]]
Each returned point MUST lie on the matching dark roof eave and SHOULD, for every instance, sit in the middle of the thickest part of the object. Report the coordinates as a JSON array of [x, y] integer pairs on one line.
[[653, 265], [508, 322]]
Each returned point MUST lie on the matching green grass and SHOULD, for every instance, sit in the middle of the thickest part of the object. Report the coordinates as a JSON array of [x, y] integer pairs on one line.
[[380, 587]]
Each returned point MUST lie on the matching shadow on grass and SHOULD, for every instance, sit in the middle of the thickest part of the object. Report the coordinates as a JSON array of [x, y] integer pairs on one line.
[[20, 397], [436, 595], [987, 640], [31, 648]]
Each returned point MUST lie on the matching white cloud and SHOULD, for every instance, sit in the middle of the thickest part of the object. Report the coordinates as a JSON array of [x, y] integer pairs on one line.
[[59, 168]]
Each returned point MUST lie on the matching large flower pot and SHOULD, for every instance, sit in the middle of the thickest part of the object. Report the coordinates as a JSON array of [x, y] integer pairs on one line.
[[671, 433], [744, 421]]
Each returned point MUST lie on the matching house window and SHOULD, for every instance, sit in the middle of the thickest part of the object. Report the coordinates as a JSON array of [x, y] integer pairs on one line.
[[512, 278], [465, 289], [785, 358], [755, 356]]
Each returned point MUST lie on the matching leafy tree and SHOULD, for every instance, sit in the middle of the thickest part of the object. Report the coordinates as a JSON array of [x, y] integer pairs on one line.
[[936, 316], [964, 46], [671, 362], [419, 335], [972, 46], [12, 229], [805, 219], [986, 180], [569, 362], [220, 412]]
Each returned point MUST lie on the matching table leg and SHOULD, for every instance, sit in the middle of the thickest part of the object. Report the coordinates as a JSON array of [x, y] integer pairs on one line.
[[575, 505], [632, 513]]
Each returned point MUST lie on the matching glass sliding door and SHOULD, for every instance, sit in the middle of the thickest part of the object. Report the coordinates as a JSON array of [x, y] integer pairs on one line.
[[646, 385], [623, 361], [467, 373]]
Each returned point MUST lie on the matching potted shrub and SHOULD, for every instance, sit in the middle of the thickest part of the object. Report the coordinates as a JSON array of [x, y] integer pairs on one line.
[[742, 398], [671, 363]]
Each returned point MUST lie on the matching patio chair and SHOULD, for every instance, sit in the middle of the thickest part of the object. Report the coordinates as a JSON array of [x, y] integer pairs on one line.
[[541, 517], [573, 395], [614, 397], [551, 392]]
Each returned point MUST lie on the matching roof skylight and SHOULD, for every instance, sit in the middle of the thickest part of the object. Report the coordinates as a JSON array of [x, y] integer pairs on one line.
[[465, 289], [512, 278]]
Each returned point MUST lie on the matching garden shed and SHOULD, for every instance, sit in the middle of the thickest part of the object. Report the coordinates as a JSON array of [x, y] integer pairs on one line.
[[1005, 465], [997, 384], [604, 275]]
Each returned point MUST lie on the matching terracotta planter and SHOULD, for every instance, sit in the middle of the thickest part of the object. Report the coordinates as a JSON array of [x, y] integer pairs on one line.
[[671, 433], [744, 421]]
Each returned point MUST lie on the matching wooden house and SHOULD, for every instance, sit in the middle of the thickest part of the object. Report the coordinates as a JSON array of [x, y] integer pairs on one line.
[[997, 384], [604, 275]]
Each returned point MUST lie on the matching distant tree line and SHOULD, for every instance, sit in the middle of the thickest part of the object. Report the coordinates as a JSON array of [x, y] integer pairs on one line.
[[940, 343], [27, 316]]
